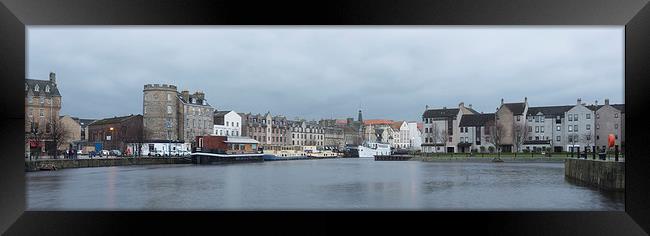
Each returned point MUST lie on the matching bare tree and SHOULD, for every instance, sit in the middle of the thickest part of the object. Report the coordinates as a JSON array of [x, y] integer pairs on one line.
[[588, 138], [58, 134], [439, 136], [36, 136], [496, 134], [520, 133]]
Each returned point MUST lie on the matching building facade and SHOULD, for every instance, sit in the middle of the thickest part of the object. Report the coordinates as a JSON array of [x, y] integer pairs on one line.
[[474, 133], [117, 132], [174, 116], [42, 106], [227, 123], [610, 119], [511, 125], [441, 128], [272, 132], [579, 128]]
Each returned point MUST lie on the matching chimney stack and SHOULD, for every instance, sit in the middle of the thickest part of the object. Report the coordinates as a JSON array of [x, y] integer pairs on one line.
[[501, 101], [525, 99], [461, 104], [426, 107], [53, 78], [470, 105], [607, 101], [579, 101], [186, 95], [596, 103]]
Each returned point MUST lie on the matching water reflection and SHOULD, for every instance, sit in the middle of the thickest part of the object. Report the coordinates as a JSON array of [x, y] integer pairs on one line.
[[338, 184]]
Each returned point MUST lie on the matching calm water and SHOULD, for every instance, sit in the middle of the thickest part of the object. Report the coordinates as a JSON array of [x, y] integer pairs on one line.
[[336, 184]]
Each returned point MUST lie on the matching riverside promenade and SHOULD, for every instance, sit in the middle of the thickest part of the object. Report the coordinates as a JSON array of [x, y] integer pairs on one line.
[[102, 162]]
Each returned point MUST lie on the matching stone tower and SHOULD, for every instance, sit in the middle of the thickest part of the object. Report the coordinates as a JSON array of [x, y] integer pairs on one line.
[[360, 117], [160, 112]]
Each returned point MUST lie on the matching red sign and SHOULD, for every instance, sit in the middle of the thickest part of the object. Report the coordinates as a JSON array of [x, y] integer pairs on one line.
[[611, 140]]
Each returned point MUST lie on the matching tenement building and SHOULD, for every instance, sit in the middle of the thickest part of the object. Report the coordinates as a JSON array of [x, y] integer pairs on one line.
[[273, 132], [610, 119], [174, 116], [42, 106], [474, 133]]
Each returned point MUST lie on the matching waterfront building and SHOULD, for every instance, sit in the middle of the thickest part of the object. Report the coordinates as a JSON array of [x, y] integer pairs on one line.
[[170, 115], [441, 128], [400, 135], [579, 128], [415, 135], [377, 130], [304, 133], [227, 123], [610, 119], [511, 125], [546, 128], [115, 133], [474, 133], [42, 107], [272, 132], [333, 136]]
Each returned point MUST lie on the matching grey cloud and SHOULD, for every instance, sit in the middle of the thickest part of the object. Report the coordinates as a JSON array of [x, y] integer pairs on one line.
[[388, 72]]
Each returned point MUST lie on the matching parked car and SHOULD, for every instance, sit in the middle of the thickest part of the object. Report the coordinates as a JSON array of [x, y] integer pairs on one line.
[[79, 152], [116, 153], [105, 153]]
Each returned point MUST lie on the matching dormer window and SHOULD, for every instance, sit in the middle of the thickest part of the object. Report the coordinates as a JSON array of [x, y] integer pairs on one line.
[[47, 88], [36, 88]]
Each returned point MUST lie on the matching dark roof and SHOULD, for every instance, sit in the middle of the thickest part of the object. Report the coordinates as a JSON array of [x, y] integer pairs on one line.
[[221, 113], [516, 108], [31, 84], [445, 112], [620, 107], [475, 119], [113, 120], [549, 111]]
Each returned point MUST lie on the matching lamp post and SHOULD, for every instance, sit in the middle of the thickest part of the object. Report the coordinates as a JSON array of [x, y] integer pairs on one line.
[[112, 139]]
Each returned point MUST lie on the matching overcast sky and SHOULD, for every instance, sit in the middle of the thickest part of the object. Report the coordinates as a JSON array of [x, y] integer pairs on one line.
[[329, 72]]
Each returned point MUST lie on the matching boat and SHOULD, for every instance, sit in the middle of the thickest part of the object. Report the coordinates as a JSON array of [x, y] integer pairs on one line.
[[285, 153], [370, 149], [48, 166]]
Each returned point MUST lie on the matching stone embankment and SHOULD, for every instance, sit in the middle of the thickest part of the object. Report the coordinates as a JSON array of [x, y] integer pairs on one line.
[[81, 163], [607, 175]]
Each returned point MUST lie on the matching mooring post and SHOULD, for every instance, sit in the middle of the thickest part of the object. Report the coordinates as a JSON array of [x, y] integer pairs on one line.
[[593, 153], [616, 153]]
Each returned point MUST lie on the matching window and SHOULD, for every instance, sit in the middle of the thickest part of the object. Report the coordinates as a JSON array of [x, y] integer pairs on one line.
[[227, 123], [588, 137], [530, 129], [536, 137], [536, 129], [169, 109], [145, 110], [588, 116], [541, 119], [616, 136], [615, 126], [169, 97], [518, 118], [597, 126], [597, 116], [47, 88], [36, 88], [588, 127], [536, 118], [541, 129], [570, 128], [557, 138], [558, 128], [42, 112], [575, 128], [42, 99], [615, 115], [570, 117], [575, 117], [530, 119], [530, 137]]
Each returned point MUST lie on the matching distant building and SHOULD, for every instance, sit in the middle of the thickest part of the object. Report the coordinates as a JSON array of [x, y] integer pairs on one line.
[[546, 128], [579, 128], [115, 133], [415, 135], [227, 123], [72, 130], [272, 132]]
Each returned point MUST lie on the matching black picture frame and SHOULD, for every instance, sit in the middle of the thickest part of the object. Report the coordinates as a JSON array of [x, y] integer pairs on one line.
[[16, 14]]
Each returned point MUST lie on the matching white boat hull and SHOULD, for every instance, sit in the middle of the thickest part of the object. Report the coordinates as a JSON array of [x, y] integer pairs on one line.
[[371, 152]]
